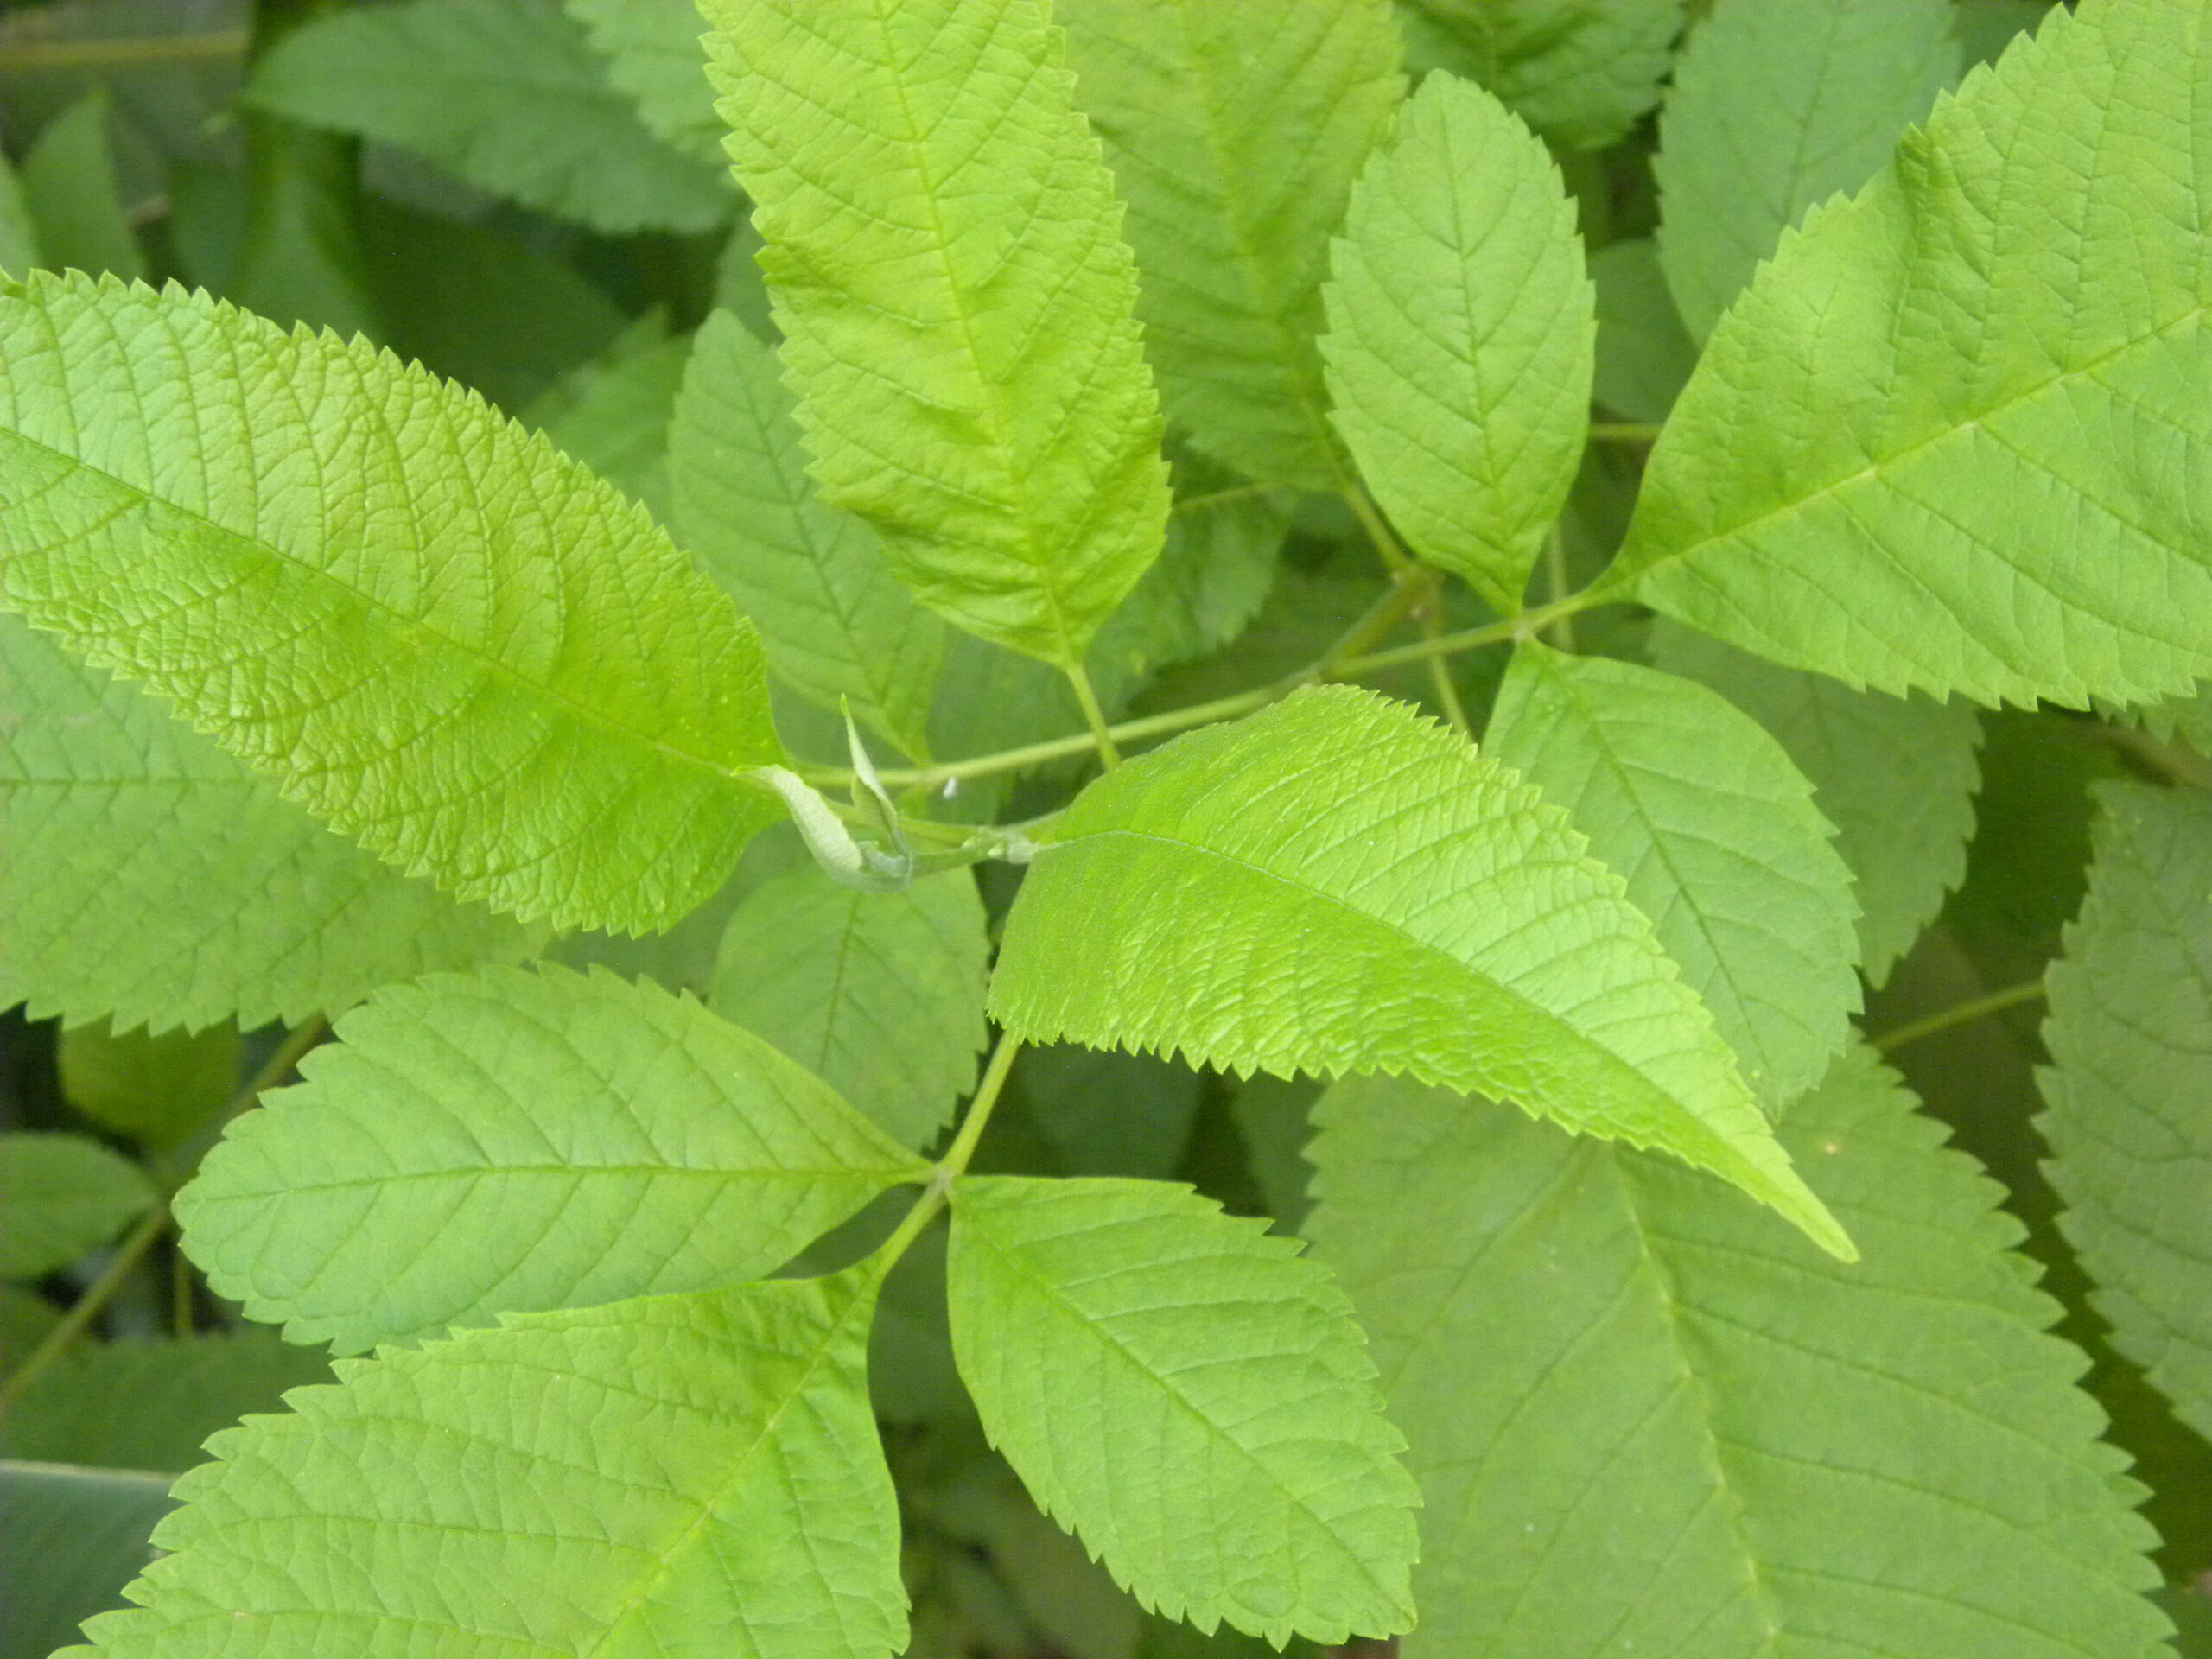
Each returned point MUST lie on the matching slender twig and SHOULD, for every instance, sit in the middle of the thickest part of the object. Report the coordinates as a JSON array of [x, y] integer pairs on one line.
[[1555, 580], [954, 1164], [1961, 1013], [1528, 623], [1387, 546], [140, 1239], [1624, 432], [2171, 762], [1217, 498], [122, 52]]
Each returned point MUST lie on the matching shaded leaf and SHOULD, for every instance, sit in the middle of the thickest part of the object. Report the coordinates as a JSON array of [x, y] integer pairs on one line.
[[2130, 1035], [652, 53], [1581, 72], [152, 1405], [942, 249], [1716, 834], [156, 1089], [1896, 776], [1235, 132], [19, 249], [1460, 333], [69, 190], [70, 1539], [612, 413], [837, 624], [1777, 106], [1337, 886], [1644, 354], [1768, 1452], [443, 635], [516, 1141], [881, 994], [1188, 1395], [62, 1195], [1942, 440], [507, 95], [676, 1475]]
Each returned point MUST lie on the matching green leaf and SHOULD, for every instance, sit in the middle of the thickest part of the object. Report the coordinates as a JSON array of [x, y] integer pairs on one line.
[[1235, 132], [2129, 1034], [1109, 1112], [156, 1089], [152, 1405], [1988, 486], [507, 94], [70, 1539], [1220, 894], [1987, 28], [881, 994], [612, 413], [69, 189], [445, 637], [1645, 1422], [1460, 333], [1717, 836], [654, 54], [943, 249], [839, 626], [1189, 1396], [1581, 72], [1775, 108], [19, 250], [516, 1141], [27, 1319], [2189, 719], [678, 1475], [1644, 354], [61, 1196], [152, 877], [1896, 776]]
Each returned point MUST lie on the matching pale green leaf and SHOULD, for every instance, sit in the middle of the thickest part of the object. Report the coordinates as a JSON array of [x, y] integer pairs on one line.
[[1461, 326], [153, 878], [19, 250], [1338, 886], [1647, 1423], [152, 1405], [442, 635], [838, 625], [156, 1089], [61, 1196], [69, 189], [881, 994], [1644, 354], [681, 1476], [1581, 72], [1897, 777], [1188, 1395], [652, 53], [612, 412], [514, 1142], [1716, 834], [1945, 438], [1235, 132], [507, 95], [1777, 104], [2129, 1124], [943, 249]]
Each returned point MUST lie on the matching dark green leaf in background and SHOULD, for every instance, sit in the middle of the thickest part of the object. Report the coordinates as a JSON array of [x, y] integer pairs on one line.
[[69, 188], [61, 1196], [1579, 71]]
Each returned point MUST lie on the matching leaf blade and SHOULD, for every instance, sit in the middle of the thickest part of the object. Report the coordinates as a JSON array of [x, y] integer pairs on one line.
[[1461, 333], [590, 1139], [1221, 894], [1981, 503], [1891, 1459], [957, 305], [1169, 1313], [64, 1195], [2130, 1146], [641, 1478], [378, 623], [1717, 834], [1235, 134]]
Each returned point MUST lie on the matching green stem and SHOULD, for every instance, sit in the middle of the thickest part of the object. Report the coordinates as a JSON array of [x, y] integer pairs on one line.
[[140, 1239], [1961, 1013], [1555, 578], [1101, 735], [1521, 627], [122, 53], [1216, 497], [1394, 557], [1623, 431], [954, 1164]]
